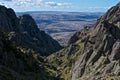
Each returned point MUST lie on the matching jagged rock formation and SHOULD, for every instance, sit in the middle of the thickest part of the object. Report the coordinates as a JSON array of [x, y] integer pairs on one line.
[[100, 58], [93, 53], [24, 32], [65, 59]]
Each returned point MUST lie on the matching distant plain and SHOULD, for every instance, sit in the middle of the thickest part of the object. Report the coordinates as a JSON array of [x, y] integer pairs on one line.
[[62, 25]]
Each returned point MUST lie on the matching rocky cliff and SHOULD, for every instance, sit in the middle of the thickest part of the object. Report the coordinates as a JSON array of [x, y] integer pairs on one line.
[[93, 53], [24, 32], [100, 57]]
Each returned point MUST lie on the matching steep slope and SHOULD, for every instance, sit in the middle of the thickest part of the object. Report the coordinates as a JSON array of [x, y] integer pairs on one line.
[[17, 63], [8, 20], [95, 51], [24, 32], [65, 59], [35, 39], [20, 42], [101, 55]]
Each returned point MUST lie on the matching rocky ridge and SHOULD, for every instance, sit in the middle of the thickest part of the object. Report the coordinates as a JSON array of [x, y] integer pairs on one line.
[[100, 58], [93, 53]]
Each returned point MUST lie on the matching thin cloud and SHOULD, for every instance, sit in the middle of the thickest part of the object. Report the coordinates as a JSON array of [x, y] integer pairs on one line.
[[55, 4], [36, 3], [27, 4]]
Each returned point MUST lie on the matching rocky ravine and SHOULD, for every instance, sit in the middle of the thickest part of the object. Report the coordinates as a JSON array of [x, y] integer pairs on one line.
[[24, 32], [93, 53]]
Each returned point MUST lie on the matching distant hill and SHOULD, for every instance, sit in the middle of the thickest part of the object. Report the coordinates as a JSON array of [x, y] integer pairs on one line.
[[62, 25]]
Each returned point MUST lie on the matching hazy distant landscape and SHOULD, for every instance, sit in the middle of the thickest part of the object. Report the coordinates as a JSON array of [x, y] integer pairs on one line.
[[62, 25]]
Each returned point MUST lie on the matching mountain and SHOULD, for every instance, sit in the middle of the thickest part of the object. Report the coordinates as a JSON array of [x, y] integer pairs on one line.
[[101, 55], [62, 25], [23, 47], [92, 53], [24, 32]]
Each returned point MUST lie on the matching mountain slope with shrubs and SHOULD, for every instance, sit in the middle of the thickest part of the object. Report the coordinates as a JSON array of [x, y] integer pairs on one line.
[[22, 47]]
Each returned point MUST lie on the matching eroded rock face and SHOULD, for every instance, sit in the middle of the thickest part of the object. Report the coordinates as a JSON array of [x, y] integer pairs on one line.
[[24, 32], [101, 54]]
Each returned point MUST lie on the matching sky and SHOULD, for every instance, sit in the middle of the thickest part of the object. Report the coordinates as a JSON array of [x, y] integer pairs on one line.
[[60, 5]]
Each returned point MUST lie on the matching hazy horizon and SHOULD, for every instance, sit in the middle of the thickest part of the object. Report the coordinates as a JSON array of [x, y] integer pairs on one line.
[[59, 11]]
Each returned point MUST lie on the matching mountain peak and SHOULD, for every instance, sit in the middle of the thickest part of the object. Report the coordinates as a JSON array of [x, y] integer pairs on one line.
[[8, 19], [118, 4], [112, 14], [28, 24]]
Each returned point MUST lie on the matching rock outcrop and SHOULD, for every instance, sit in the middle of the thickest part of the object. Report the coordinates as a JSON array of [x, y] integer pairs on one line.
[[100, 58]]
